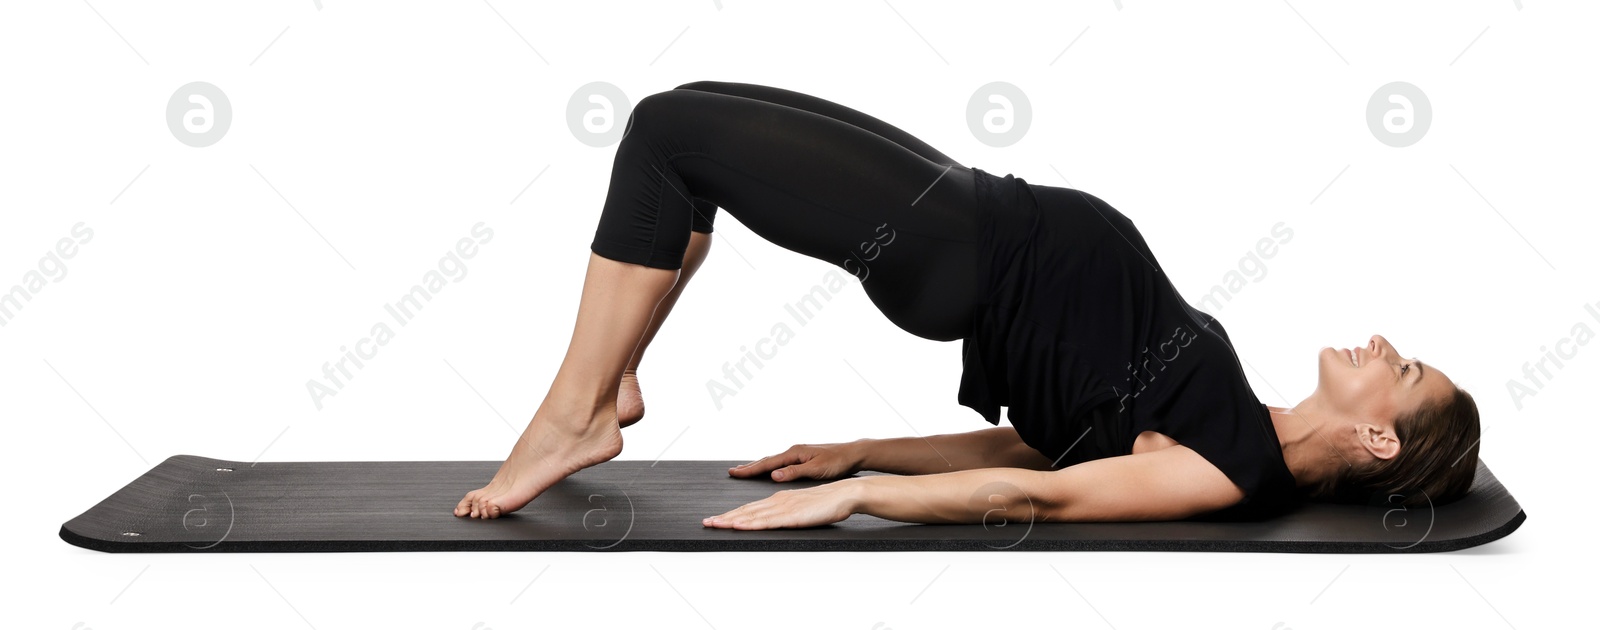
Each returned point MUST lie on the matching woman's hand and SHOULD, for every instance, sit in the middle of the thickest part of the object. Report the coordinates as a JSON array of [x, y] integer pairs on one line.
[[805, 507], [807, 461]]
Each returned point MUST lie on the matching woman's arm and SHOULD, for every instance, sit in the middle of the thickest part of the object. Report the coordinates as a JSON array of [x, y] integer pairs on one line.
[[996, 447], [1166, 484]]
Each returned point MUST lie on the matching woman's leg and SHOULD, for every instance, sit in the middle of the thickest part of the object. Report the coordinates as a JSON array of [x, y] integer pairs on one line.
[[576, 425], [630, 402], [807, 182], [816, 105], [903, 224]]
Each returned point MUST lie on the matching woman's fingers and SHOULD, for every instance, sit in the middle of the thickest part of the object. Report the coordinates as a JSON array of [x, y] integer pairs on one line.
[[801, 461], [767, 464], [759, 466], [787, 508], [752, 515], [802, 470]]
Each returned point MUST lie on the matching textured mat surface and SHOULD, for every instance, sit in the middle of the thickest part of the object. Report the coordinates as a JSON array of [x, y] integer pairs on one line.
[[198, 504]]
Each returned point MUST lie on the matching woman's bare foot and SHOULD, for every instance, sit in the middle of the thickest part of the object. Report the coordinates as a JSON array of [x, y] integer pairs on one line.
[[548, 451], [630, 403]]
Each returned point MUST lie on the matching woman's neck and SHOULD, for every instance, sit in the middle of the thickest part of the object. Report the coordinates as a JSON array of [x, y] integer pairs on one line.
[[1309, 449]]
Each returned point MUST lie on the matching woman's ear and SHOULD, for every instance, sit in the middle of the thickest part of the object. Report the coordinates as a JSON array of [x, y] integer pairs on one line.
[[1378, 440]]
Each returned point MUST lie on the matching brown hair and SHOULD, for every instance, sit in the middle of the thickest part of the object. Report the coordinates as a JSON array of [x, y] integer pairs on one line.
[[1437, 462]]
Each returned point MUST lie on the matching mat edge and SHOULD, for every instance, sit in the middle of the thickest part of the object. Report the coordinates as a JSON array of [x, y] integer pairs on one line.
[[367, 546]]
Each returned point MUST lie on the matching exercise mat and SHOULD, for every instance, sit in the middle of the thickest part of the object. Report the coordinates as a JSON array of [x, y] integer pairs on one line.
[[198, 504]]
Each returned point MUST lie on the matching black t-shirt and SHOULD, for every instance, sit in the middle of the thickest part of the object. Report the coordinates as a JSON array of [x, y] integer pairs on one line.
[[1082, 336]]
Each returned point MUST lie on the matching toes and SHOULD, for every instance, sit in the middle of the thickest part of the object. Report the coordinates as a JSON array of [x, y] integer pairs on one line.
[[477, 504]]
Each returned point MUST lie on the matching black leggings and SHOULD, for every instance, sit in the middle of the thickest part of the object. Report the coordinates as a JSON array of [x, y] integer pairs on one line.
[[807, 174]]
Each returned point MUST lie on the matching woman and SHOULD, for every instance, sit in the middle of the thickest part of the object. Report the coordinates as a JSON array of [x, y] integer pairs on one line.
[[1125, 403]]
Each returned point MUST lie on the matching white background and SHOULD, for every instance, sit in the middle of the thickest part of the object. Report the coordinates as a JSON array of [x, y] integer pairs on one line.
[[368, 137]]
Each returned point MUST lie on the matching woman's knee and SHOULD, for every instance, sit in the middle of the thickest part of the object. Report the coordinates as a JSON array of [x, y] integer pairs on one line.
[[661, 110], [664, 103]]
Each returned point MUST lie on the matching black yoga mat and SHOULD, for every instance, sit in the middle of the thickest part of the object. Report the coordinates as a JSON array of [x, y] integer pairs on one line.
[[198, 504]]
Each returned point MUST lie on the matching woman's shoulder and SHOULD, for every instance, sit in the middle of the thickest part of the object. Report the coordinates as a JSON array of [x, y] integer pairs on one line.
[[1239, 440]]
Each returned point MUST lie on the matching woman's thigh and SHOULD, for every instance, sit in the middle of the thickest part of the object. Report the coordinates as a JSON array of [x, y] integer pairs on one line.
[[903, 224], [818, 105]]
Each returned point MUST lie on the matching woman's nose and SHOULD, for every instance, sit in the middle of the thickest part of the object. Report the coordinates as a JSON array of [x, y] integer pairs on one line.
[[1379, 345]]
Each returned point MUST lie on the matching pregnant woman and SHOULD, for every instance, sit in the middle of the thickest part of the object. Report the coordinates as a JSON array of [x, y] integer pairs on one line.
[[1124, 402]]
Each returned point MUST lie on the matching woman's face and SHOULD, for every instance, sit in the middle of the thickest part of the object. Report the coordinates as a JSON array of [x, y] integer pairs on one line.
[[1375, 383]]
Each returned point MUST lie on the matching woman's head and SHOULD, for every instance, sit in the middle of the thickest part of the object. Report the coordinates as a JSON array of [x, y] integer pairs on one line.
[[1415, 433]]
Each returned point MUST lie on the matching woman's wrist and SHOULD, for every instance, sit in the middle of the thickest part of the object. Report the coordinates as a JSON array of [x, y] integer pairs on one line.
[[859, 493], [859, 453]]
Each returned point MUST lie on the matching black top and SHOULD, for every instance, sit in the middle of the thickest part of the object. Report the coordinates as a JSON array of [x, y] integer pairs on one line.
[[1079, 332]]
